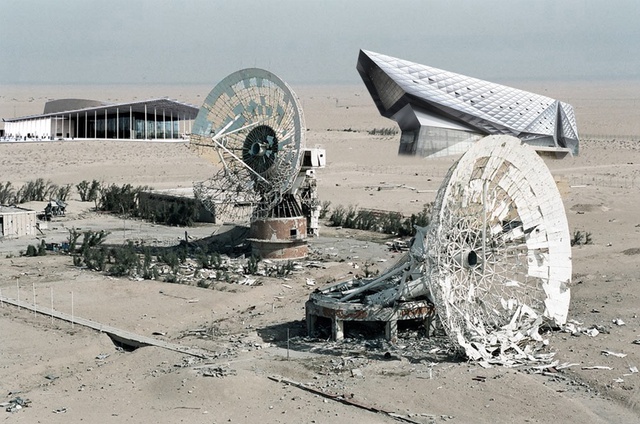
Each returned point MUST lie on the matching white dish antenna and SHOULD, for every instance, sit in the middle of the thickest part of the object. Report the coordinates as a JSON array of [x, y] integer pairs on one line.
[[251, 123], [498, 245]]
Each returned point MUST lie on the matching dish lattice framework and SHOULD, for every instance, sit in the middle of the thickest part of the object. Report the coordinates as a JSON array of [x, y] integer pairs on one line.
[[498, 247], [252, 125]]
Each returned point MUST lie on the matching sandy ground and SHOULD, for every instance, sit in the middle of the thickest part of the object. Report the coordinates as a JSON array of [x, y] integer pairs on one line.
[[74, 374]]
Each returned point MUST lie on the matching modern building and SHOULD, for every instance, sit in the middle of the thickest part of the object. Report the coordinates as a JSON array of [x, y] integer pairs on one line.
[[17, 222], [441, 113], [159, 119]]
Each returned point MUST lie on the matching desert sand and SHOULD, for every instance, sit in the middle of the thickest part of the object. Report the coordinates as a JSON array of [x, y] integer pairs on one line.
[[73, 374]]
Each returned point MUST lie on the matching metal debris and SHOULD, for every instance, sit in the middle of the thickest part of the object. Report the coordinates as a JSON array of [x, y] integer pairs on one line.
[[609, 353], [597, 367], [15, 404], [217, 371], [592, 332]]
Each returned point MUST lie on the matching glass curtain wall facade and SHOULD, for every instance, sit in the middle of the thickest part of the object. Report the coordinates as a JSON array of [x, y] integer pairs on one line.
[[119, 126]]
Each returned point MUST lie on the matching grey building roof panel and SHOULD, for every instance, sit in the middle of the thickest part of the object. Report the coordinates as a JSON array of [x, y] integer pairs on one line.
[[179, 109]]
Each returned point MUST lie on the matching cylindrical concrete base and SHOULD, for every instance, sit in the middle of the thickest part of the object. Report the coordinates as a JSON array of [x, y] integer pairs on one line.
[[279, 238]]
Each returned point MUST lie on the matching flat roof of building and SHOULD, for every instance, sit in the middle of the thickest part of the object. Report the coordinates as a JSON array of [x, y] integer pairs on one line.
[[13, 209], [169, 106]]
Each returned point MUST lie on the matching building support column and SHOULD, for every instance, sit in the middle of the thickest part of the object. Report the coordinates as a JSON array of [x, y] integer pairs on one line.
[[105, 124], [95, 124], [391, 330], [86, 134], [164, 126], [117, 123], [145, 122], [155, 124], [172, 137], [130, 123], [337, 329]]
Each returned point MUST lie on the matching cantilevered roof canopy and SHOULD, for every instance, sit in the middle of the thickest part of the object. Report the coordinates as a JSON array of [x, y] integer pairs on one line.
[[398, 87], [71, 106]]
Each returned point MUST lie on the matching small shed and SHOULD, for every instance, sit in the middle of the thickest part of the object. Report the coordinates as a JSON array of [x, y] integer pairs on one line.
[[17, 222]]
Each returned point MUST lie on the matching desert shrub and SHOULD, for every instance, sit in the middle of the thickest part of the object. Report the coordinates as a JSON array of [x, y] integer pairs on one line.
[[388, 223], [31, 250], [62, 192], [74, 235], [181, 214], [350, 217], [203, 283], [251, 267], [280, 270], [337, 216], [94, 259], [366, 220], [125, 260], [182, 252], [391, 223], [421, 219], [7, 194], [170, 258], [39, 250], [88, 191], [90, 254], [92, 239], [36, 190], [148, 272], [122, 199], [209, 261], [581, 238], [42, 248], [383, 131], [171, 278], [324, 209]]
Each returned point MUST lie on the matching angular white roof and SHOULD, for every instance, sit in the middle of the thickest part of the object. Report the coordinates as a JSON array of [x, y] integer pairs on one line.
[[487, 107]]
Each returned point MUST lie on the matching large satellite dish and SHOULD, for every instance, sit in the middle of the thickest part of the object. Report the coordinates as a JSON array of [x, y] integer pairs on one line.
[[498, 244], [494, 262], [252, 125]]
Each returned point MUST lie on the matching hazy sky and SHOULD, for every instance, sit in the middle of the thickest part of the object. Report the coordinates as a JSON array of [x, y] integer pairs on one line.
[[304, 41]]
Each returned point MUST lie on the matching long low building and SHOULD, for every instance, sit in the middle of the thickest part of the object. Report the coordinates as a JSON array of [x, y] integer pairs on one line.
[[159, 119], [441, 112]]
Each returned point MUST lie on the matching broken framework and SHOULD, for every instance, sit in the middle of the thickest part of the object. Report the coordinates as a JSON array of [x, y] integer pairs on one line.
[[494, 262], [252, 125]]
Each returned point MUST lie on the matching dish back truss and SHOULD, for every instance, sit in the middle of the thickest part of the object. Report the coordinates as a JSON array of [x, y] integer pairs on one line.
[[251, 123], [495, 260]]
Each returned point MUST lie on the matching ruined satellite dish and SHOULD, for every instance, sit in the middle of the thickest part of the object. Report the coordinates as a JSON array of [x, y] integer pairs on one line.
[[252, 124], [498, 245], [494, 261]]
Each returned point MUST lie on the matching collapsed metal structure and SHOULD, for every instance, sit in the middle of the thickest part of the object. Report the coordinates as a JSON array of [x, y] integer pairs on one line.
[[252, 125], [494, 263]]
